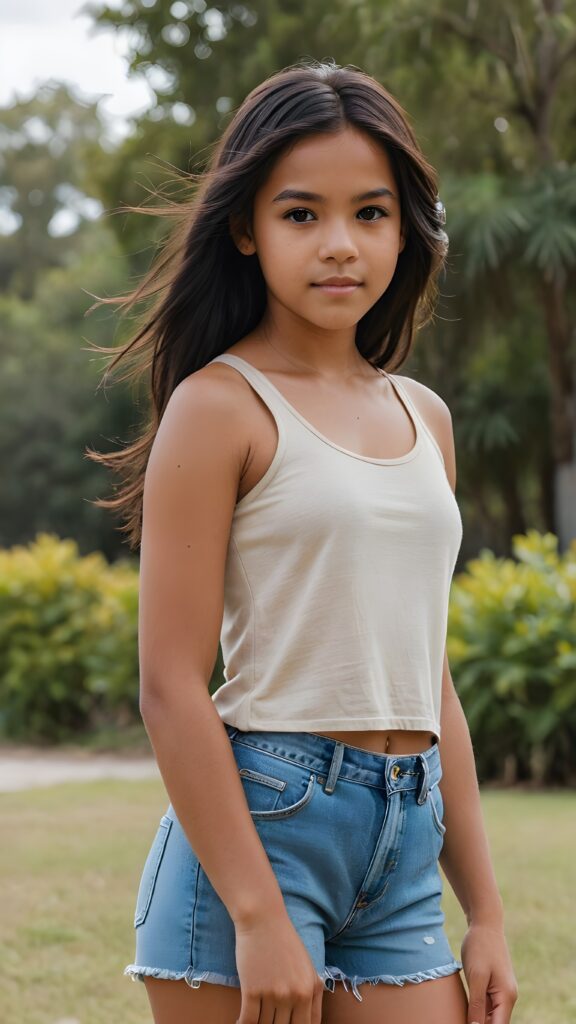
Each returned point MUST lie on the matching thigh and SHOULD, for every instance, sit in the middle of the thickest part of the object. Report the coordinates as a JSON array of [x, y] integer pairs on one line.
[[175, 1002], [435, 1001]]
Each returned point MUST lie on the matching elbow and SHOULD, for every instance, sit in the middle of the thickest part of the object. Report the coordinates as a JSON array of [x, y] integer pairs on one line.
[[158, 695], [146, 706], [152, 696]]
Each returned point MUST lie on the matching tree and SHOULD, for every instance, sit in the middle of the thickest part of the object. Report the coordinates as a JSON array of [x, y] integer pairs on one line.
[[490, 90], [518, 218], [45, 143]]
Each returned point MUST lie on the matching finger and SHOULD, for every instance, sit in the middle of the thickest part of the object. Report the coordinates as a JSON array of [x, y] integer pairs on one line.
[[308, 1011], [249, 1010], [279, 1014], [271, 1010], [316, 1017], [477, 1003], [502, 1012]]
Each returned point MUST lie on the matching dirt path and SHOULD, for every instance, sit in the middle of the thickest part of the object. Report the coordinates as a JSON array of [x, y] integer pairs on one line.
[[27, 767]]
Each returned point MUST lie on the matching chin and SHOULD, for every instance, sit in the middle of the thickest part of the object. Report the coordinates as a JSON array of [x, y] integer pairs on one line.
[[339, 322]]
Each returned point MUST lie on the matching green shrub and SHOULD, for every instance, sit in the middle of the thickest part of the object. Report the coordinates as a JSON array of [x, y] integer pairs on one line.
[[68, 641], [512, 652], [69, 651]]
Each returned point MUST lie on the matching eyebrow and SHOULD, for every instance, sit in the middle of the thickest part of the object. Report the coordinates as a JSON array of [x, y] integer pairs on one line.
[[314, 197]]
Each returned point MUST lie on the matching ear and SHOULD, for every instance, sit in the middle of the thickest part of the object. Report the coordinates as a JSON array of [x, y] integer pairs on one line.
[[241, 236], [402, 241]]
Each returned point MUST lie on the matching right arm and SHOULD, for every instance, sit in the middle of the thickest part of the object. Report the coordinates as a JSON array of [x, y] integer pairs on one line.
[[190, 491]]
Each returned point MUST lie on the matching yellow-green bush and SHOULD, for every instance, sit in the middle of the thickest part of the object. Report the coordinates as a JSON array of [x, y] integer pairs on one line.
[[69, 651], [512, 652], [68, 641]]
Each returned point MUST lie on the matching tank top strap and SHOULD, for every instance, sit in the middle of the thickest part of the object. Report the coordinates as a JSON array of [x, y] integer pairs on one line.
[[417, 416], [256, 378]]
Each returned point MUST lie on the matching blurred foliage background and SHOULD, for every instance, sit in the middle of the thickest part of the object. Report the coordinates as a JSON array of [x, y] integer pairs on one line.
[[491, 93], [69, 652]]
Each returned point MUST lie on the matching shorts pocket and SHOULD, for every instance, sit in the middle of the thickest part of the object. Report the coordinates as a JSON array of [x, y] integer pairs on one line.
[[274, 787], [437, 807], [150, 870]]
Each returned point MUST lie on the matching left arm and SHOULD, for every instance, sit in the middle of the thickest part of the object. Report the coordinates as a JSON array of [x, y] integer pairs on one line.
[[465, 856]]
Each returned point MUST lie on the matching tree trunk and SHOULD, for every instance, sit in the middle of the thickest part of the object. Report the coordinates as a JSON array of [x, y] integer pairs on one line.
[[563, 419]]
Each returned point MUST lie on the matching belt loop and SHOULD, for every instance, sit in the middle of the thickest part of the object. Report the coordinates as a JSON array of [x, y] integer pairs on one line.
[[337, 756], [425, 787]]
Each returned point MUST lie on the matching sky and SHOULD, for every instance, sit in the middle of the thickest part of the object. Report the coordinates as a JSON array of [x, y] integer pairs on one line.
[[51, 39], [43, 39]]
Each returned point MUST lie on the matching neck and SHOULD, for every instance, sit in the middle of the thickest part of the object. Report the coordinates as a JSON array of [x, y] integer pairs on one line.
[[332, 355]]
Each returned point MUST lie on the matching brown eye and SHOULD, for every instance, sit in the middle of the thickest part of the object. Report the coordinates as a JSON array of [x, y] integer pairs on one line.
[[299, 210], [378, 210]]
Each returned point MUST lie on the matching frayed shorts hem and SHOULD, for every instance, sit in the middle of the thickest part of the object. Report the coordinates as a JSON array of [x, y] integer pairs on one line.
[[329, 976], [335, 974], [191, 976]]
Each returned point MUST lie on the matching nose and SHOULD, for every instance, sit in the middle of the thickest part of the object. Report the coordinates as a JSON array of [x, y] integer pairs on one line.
[[337, 243]]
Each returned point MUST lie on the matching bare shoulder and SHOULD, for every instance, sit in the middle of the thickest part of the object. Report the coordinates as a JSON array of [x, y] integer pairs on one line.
[[190, 493], [201, 441], [436, 414], [211, 401], [214, 383]]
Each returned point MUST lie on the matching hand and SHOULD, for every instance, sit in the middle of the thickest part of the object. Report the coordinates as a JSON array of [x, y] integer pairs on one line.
[[278, 980], [488, 969]]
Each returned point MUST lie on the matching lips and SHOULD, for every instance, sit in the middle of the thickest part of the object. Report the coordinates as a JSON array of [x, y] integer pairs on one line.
[[337, 282]]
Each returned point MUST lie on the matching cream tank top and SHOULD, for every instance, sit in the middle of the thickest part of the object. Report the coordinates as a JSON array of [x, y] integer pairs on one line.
[[337, 582]]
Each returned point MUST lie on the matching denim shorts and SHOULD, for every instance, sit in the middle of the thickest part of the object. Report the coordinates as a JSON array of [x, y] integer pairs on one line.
[[353, 838]]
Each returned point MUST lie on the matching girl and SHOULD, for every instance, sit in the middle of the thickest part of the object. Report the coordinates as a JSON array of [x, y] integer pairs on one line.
[[297, 503]]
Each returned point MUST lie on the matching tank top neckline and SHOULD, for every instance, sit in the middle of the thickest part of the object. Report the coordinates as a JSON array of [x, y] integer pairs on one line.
[[402, 395]]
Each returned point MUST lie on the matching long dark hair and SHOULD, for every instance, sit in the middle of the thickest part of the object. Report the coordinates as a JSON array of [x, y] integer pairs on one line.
[[210, 295]]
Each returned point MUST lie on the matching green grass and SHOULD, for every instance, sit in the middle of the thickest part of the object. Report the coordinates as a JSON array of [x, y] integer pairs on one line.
[[70, 862], [533, 838]]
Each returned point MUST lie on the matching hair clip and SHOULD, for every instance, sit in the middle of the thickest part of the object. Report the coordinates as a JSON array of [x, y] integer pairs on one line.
[[441, 211]]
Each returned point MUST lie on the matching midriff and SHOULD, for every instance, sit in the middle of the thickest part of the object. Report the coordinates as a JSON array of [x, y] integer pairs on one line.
[[394, 741]]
